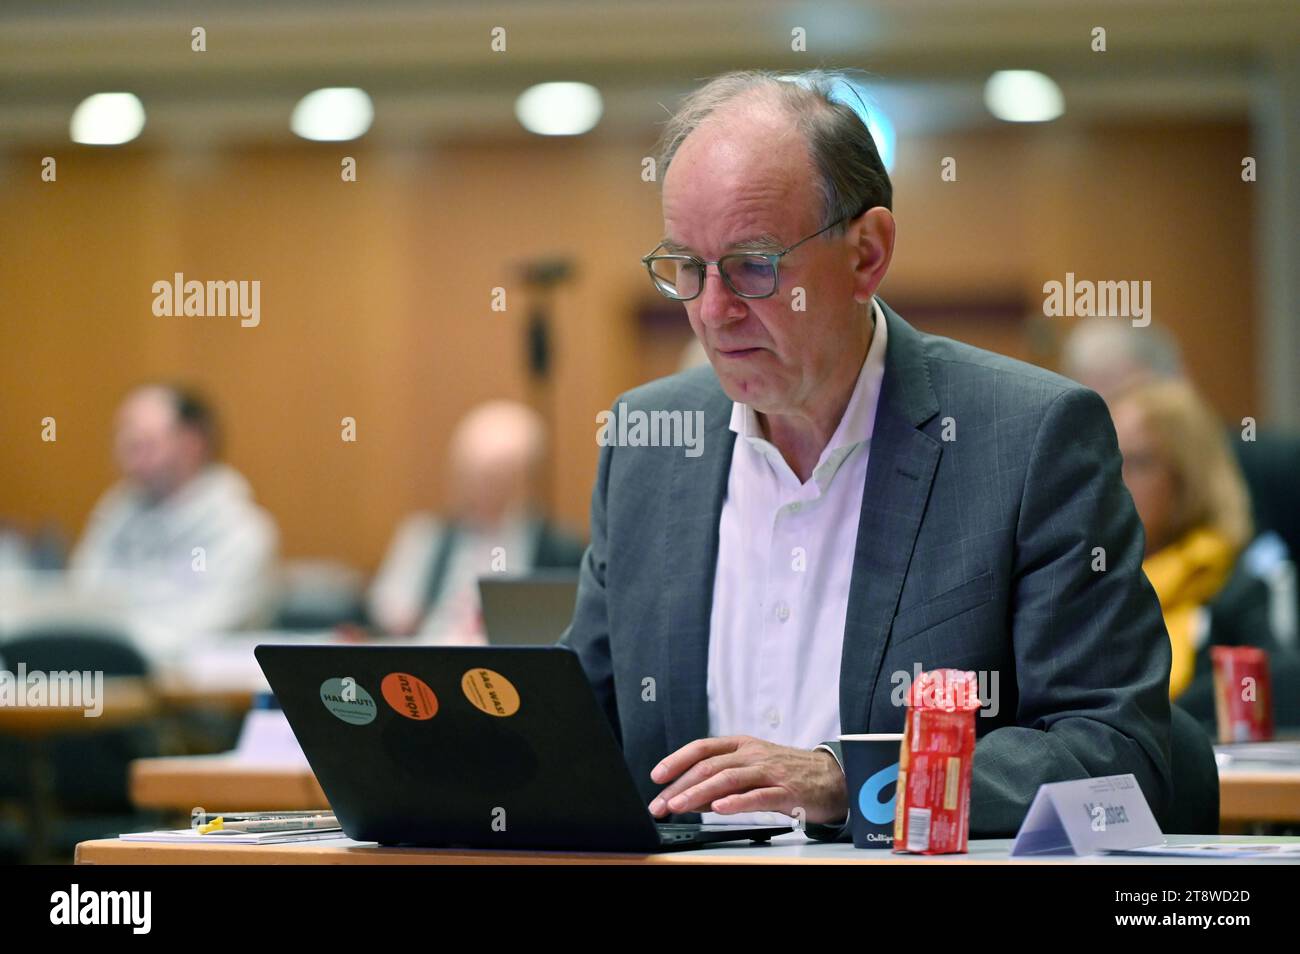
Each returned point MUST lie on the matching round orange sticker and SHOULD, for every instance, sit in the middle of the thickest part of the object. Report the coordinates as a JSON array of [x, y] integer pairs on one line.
[[490, 691], [409, 695]]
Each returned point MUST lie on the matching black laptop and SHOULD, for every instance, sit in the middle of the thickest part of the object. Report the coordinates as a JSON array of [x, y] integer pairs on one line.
[[531, 610], [468, 746]]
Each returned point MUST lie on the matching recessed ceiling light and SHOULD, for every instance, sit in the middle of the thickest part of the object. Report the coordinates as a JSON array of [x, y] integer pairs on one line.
[[333, 114], [559, 109], [1023, 96], [107, 119]]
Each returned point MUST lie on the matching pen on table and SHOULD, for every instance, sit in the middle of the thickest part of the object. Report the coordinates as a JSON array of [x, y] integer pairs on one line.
[[318, 822]]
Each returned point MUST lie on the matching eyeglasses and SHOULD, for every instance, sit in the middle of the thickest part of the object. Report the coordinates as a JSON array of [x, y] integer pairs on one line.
[[748, 274]]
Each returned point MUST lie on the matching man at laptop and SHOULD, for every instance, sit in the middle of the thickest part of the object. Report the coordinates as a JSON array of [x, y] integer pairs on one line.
[[869, 500]]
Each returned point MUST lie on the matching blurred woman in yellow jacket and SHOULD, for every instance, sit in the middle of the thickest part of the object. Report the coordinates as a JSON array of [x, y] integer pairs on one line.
[[1193, 503]]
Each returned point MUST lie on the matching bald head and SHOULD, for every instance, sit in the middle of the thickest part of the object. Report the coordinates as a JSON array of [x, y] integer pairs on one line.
[[496, 456], [744, 157]]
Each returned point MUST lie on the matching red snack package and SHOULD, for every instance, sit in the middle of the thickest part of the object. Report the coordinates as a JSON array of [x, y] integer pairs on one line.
[[932, 814], [1243, 698]]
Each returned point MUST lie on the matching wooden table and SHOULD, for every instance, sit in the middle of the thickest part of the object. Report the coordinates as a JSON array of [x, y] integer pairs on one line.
[[222, 783], [1259, 794], [126, 700], [792, 849], [180, 697]]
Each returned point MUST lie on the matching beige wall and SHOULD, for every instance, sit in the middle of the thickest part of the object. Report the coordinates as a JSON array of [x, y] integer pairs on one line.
[[375, 294]]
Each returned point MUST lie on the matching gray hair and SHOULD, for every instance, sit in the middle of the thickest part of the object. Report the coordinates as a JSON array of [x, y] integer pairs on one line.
[[851, 176], [1103, 344]]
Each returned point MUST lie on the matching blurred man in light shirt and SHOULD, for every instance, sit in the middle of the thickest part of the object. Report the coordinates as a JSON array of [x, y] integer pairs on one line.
[[178, 542]]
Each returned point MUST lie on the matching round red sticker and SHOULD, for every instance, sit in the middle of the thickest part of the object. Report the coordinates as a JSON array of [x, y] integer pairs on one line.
[[409, 695]]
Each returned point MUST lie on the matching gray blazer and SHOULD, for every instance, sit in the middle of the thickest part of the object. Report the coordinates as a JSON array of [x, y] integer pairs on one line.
[[975, 552]]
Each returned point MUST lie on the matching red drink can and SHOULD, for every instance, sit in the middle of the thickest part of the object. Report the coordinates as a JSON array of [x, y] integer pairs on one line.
[[1243, 694]]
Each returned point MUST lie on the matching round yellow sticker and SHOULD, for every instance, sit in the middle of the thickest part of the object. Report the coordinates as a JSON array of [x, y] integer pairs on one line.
[[490, 691]]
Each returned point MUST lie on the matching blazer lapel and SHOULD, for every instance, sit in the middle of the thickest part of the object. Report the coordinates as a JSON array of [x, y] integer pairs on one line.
[[899, 474], [689, 556]]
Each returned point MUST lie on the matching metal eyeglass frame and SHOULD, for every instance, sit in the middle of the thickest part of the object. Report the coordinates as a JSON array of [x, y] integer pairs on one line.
[[773, 258]]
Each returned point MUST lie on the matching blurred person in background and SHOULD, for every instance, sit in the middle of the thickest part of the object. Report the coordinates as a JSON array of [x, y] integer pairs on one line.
[[178, 541], [1193, 505], [428, 582], [1111, 356]]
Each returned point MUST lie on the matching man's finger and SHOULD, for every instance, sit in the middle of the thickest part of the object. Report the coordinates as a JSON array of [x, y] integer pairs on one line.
[[729, 781], [755, 800], [701, 770], [690, 753]]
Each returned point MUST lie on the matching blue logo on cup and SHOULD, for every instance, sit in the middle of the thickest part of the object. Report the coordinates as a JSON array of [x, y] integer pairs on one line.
[[873, 809]]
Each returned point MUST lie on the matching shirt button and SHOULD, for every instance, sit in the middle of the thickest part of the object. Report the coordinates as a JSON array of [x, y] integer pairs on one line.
[[773, 717], [796, 507], [782, 612]]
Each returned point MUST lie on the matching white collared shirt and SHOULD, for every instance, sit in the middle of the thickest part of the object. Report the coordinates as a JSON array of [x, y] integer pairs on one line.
[[781, 587]]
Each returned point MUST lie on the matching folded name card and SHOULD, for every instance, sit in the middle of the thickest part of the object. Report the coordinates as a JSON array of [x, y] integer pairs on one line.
[[1087, 816]]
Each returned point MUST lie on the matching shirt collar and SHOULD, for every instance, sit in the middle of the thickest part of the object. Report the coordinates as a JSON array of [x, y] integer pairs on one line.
[[856, 425]]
